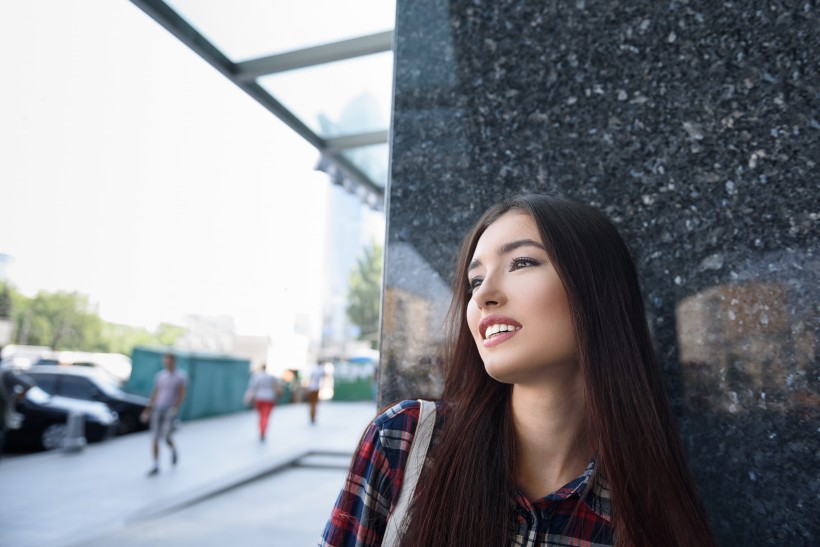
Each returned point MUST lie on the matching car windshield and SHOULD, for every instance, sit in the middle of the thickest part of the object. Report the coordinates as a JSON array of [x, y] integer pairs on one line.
[[37, 395]]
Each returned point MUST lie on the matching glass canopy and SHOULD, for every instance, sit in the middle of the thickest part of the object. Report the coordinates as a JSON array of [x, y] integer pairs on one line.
[[323, 67]]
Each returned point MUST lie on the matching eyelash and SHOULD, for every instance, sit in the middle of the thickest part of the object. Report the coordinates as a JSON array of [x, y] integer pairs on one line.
[[515, 264]]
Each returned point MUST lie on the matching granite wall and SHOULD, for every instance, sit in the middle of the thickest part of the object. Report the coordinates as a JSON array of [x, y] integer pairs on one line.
[[694, 125]]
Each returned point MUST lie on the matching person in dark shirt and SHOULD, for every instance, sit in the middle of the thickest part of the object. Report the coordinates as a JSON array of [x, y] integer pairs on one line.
[[13, 387]]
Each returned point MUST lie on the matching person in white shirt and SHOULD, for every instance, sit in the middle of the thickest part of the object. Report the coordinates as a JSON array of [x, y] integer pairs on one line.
[[263, 391], [170, 385], [314, 386]]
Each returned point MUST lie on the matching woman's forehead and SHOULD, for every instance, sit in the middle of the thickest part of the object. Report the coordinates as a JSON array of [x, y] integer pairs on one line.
[[511, 225], [509, 232]]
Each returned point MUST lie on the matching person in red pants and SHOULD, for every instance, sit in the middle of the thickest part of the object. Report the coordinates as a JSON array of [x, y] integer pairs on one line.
[[263, 390]]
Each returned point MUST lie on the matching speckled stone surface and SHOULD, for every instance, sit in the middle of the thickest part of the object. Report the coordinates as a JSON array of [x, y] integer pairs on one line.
[[694, 125]]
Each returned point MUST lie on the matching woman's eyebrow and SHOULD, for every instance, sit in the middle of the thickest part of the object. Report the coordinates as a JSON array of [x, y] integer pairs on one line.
[[508, 247], [513, 245]]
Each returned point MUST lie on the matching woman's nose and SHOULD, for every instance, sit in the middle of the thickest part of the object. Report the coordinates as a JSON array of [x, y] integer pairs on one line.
[[487, 294]]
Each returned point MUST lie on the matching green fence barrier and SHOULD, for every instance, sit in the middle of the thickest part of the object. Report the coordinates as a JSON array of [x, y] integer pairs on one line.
[[353, 380], [216, 383]]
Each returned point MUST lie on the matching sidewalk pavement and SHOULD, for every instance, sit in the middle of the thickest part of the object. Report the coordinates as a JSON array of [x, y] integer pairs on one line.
[[228, 487]]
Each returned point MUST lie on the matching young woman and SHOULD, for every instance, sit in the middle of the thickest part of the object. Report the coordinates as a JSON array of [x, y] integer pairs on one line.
[[263, 391], [554, 427]]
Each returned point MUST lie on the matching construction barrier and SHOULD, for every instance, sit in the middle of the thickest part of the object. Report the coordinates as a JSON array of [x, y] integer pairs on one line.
[[216, 383], [354, 379]]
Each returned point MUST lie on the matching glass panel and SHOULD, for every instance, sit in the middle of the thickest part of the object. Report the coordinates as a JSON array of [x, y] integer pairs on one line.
[[247, 29], [372, 160], [335, 99]]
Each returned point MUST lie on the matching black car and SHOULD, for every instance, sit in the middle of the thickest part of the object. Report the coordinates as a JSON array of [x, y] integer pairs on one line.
[[44, 421], [92, 385]]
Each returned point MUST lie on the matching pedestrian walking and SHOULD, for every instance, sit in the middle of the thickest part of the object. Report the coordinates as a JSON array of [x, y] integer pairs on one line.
[[314, 386], [170, 386], [264, 389]]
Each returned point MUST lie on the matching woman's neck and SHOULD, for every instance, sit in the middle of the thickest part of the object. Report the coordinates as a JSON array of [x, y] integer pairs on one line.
[[552, 447]]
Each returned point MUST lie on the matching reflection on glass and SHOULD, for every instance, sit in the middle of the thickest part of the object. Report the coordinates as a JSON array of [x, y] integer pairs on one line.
[[414, 306], [372, 160], [336, 99], [744, 347]]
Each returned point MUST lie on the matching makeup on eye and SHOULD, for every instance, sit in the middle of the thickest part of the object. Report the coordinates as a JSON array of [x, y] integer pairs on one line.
[[516, 263], [523, 262]]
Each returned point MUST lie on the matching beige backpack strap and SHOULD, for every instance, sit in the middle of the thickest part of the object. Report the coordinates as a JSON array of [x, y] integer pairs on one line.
[[397, 521]]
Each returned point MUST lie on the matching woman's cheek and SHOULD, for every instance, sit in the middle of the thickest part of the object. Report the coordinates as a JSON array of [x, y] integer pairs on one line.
[[473, 315]]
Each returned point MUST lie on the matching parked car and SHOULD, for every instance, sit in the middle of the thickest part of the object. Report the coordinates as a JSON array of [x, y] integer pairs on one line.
[[92, 385], [44, 421], [115, 364]]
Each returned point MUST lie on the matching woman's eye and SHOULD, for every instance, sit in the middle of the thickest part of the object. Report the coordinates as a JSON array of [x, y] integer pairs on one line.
[[473, 283], [519, 263]]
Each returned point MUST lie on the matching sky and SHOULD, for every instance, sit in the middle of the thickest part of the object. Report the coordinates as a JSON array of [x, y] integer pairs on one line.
[[135, 173]]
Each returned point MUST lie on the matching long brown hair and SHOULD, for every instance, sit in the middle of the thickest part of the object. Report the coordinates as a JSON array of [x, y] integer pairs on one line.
[[465, 497]]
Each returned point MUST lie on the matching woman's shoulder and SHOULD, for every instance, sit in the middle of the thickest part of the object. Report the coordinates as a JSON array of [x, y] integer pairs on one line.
[[402, 415]]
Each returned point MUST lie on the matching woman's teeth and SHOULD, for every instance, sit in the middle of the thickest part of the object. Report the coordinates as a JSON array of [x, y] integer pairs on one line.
[[495, 329]]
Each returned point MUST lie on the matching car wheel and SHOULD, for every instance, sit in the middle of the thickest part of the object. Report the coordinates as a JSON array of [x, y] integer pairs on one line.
[[53, 436]]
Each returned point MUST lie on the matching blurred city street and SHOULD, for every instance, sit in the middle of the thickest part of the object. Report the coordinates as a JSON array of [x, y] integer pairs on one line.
[[228, 488]]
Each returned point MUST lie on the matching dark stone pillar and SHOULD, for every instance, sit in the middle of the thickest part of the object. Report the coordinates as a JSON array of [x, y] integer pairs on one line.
[[694, 126]]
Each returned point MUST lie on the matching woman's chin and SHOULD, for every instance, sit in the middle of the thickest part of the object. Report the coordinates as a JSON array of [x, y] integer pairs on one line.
[[501, 373]]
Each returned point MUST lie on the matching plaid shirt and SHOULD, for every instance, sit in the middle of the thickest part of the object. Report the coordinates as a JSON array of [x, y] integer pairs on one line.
[[376, 473]]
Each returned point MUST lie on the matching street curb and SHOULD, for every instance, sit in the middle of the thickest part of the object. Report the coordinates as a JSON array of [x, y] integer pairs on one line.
[[239, 479]]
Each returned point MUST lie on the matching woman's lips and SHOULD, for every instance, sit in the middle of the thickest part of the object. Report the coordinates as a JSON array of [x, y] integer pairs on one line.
[[499, 338], [495, 319]]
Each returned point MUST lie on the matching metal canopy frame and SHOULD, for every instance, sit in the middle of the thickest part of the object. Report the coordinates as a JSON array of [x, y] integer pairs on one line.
[[245, 73]]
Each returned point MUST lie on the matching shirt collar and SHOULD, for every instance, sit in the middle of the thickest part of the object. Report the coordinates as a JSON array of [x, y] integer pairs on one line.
[[598, 499]]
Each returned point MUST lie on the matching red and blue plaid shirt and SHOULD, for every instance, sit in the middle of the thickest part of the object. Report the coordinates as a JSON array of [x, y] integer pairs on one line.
[[377, 471]]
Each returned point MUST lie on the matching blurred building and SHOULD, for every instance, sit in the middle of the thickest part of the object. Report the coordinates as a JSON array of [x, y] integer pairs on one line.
[[203, 333], [355, 222], [254, 348], [352, 227]]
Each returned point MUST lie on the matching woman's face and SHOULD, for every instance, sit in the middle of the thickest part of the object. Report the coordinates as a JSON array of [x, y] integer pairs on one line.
[[518, 313]]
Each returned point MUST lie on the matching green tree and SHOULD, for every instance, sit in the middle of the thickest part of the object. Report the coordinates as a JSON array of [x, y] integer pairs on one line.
[[68, 321], [60, 320], [5, 301], [168, 333], [124, 338], [364, 293]]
